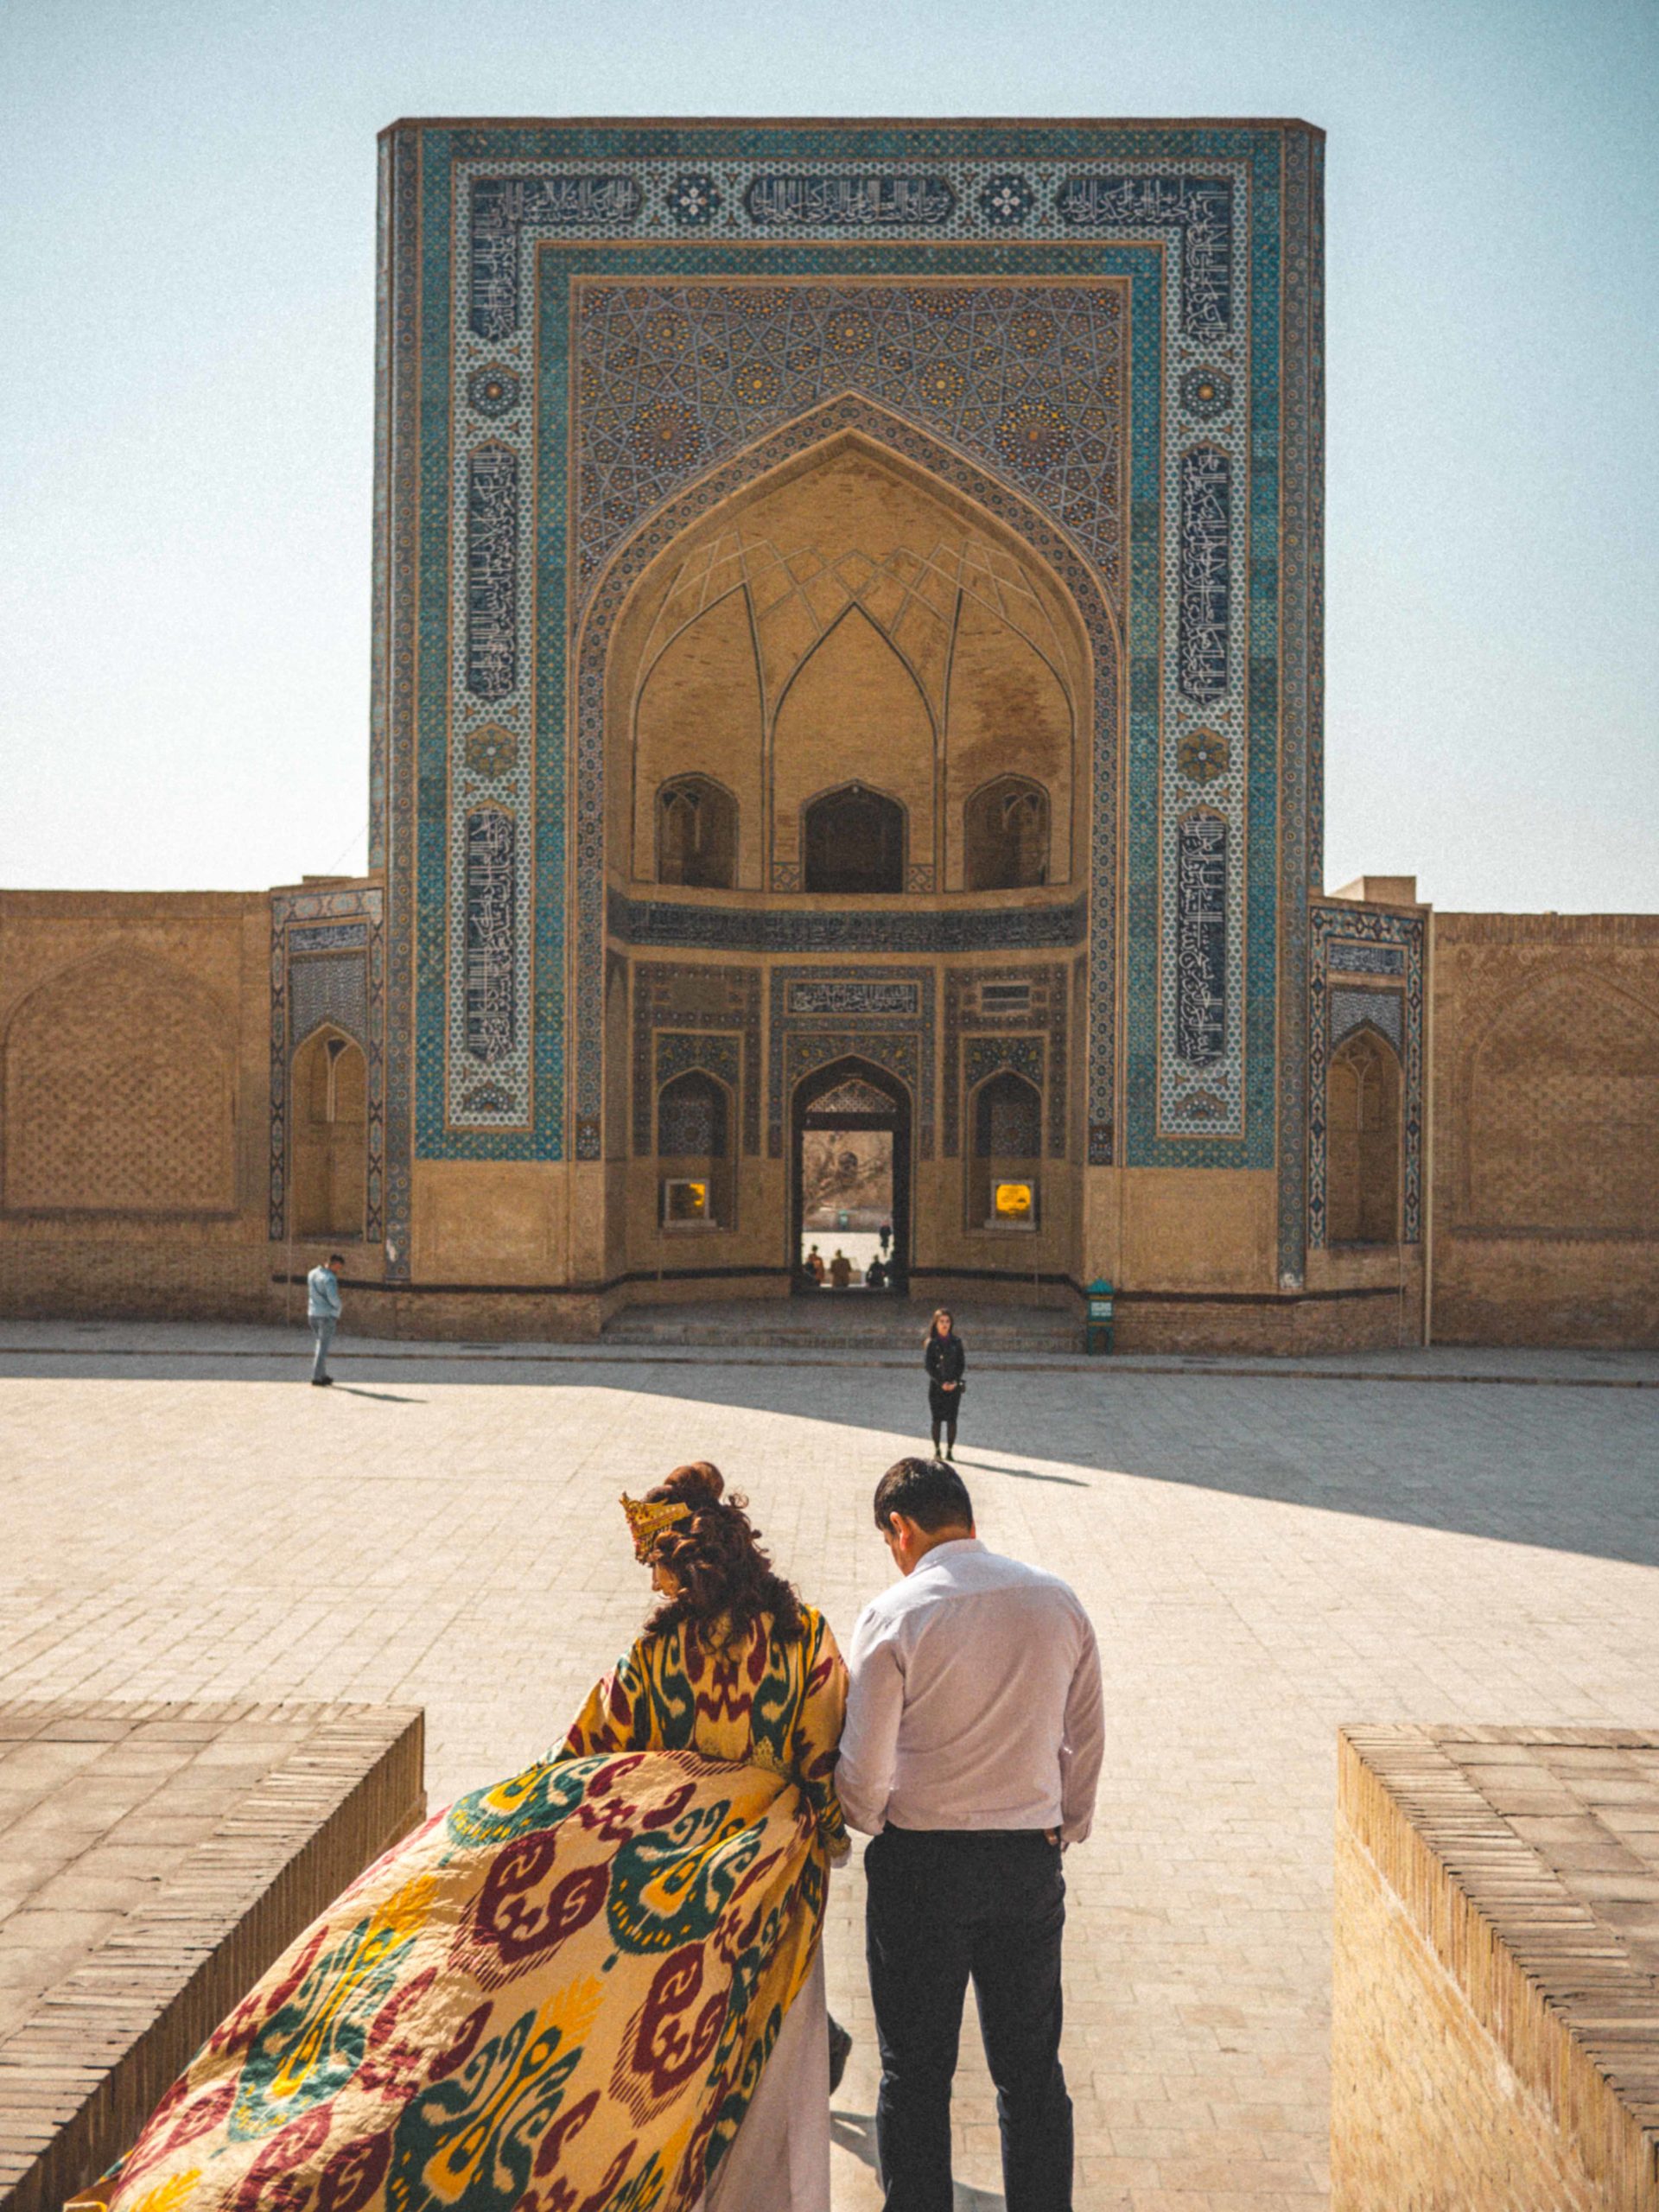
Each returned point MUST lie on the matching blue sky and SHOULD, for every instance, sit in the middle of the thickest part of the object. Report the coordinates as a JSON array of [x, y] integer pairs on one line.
[[187, 269]]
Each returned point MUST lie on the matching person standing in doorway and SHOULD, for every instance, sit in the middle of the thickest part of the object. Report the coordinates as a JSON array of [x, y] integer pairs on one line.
[[970, 1757], [884, 1238], [946, 1362], [322, 1309], [841, 1270]]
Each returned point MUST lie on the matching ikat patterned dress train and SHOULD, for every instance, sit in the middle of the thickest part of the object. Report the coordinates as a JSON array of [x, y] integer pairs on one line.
[[576, 1990]]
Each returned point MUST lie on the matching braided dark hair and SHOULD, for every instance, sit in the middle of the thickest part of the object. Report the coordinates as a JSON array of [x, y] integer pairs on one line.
[[716, 1559]]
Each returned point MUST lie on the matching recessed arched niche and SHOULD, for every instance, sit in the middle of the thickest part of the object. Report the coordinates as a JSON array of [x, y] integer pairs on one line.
[[1362, 1141], [849, 618], [330, 1137]]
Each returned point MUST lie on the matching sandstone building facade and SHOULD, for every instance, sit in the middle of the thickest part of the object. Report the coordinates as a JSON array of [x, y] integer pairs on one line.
[[848, 615]]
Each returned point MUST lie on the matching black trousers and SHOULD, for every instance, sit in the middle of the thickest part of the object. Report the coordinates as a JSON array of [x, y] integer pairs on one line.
[[944, 1908]]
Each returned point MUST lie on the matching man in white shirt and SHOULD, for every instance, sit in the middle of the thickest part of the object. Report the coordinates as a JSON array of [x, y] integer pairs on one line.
[[970, 1757]]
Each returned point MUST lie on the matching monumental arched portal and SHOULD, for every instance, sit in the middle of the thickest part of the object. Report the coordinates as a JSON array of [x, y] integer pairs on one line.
[[846, 741], [847, 596]]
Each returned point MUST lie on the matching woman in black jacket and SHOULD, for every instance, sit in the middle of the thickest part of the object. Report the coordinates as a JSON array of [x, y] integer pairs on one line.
[[944, 1360]]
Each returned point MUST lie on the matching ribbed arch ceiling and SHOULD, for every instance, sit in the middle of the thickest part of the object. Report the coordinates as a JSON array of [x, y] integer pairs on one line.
[[796, 597]]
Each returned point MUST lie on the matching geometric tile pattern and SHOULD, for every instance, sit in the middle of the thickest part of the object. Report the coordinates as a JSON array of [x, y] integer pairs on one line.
[[1349, 948], [1352, 1009], [984, 1006], [328, 963], [488, 233], [328, 987], [1021, 1056], [670, 378], [850, 1012], [700, 1009]]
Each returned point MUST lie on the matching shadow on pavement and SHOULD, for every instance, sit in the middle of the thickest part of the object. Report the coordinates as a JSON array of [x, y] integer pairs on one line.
[[1562, 1467], [1024, 1474]]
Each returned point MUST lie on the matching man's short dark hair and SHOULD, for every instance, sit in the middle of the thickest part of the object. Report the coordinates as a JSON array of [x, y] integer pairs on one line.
[[928, 1492], [336, 1258]]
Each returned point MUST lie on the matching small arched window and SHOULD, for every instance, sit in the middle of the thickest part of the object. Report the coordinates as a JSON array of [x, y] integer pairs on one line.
[[693, 1150], [1007, 1152], [855, 841], [1006, 832], [696, 834], [1362, 1143], [691, 1118]]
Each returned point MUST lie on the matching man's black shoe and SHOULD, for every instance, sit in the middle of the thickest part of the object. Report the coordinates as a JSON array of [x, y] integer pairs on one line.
[[841, 2044], [321, 1382]]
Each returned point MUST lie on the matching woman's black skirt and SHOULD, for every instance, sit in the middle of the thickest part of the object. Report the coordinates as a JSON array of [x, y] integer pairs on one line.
[[942, 1404]]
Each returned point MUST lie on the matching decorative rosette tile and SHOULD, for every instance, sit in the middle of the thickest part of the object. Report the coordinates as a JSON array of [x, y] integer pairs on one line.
[[490, 751], [1007, 200], [1206, 394], [493, 392], [694, 199], [1202, 756]]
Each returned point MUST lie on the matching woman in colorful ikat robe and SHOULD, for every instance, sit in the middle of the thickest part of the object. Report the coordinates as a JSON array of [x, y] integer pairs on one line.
[[595, 1987]]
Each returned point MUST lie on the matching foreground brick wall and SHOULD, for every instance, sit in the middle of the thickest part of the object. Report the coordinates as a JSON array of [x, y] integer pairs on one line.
[[1495, 2039], [1546, 1118], [159, 1857]]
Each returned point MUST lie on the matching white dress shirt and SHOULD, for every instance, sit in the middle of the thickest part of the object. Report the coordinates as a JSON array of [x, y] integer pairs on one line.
[[973, 1701]]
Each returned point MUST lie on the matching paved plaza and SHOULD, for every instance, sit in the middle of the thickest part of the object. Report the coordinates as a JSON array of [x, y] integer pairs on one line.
[[1265, 1554]]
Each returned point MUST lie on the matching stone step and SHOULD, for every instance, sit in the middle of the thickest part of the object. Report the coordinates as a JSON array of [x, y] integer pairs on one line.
[[806, 1326]]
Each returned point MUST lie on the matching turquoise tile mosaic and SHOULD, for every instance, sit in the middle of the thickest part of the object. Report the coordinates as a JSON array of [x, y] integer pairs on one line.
[[1108, 333], [1366, 965]]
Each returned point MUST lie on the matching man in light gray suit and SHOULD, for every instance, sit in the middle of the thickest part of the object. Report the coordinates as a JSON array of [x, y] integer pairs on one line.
[[322, 1310]]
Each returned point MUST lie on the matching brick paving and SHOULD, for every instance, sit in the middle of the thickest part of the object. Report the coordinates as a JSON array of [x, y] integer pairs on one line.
[[1263, 1559]]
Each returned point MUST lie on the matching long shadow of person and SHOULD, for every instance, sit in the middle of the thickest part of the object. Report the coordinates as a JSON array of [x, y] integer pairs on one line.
[[1024, 1474]]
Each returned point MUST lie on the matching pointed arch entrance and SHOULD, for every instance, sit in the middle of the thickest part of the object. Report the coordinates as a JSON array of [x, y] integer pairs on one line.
[[851, 1098], [697, 560]]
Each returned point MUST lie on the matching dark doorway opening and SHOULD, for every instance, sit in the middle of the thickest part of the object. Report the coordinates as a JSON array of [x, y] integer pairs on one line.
[[850, 1149], [855, 842]]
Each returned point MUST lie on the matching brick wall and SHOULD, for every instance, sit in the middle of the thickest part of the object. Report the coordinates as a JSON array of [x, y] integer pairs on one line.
[[1495, 2046], [134, 1103], [1546, 1122]]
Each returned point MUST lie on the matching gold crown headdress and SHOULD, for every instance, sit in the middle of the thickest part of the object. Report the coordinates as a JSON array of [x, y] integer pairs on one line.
[[646, 1522]]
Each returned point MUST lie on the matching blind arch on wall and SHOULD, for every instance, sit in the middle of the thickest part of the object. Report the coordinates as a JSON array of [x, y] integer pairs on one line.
[[1008, 1126], [696, 834], [119, 1092], [1006, 835], [330, 1136], [1362, 1141], [1557, 1113], [694, 1139]]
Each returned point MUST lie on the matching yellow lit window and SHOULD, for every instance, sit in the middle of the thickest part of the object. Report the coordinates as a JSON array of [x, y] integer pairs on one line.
[[685, 1200]]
